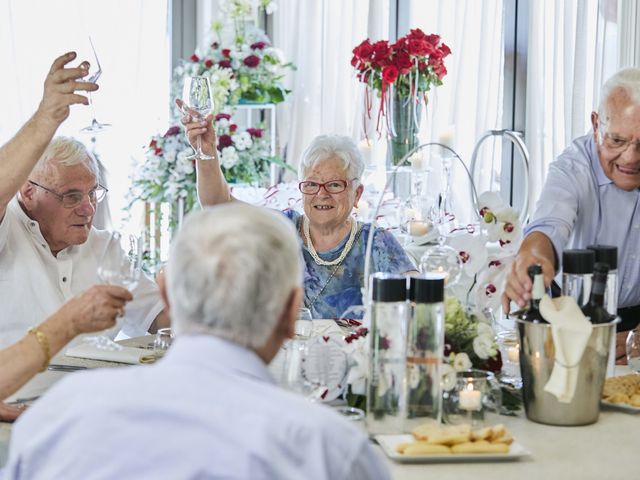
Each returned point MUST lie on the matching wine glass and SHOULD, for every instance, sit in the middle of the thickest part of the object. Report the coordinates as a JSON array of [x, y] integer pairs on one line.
[[96, 71], [197, 96], [120, 264], [633, 350], [304, 324]]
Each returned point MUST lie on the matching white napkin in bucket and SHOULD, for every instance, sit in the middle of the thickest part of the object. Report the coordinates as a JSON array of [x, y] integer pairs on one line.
[[571, 331], [128, 355]]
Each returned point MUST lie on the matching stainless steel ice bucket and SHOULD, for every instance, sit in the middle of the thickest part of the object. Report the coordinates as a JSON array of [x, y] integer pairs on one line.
[[537, 354]]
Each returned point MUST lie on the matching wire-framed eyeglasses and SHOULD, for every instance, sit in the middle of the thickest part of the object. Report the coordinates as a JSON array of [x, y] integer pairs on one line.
[[73, 199], [308, 187], [616, 143]]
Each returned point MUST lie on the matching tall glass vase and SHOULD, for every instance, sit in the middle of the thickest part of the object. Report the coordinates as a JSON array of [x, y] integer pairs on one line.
[[403, 126]]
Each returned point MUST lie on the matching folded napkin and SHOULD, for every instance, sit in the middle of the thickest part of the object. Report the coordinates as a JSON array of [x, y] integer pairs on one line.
[[129, 355], [571, 331]]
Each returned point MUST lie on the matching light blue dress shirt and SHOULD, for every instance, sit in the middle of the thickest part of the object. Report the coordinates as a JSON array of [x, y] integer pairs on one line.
[[209, 409], [580, 206]]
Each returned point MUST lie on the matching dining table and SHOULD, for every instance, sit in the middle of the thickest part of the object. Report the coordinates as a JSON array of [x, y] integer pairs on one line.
[[603, 450]]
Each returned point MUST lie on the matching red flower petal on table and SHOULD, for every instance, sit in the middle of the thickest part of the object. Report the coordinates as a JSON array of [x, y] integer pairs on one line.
[[175, 130], [220, 116], [233, 127], [252, 61], [258, 45], [495, 263], [226, 52], [214, 45], [208, 63], [224, 64], [389, 74], [464, 256], [325, 338], [194, 58], [255, 132], [385, 344], [508, 227], [224, 141]]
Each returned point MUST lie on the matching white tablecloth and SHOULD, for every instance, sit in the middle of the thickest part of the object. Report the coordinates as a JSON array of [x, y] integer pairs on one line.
[[604, 450]]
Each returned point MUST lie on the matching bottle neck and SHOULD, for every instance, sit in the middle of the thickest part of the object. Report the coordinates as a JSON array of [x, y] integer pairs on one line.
[[597, 289], [537, 291]]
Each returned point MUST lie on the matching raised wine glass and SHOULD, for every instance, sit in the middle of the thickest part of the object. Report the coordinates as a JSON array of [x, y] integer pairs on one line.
[[120, 264], [197, 97], [95, 71]]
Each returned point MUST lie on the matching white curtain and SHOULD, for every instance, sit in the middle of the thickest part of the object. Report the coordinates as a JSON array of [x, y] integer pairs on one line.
[[131, 40], [572, 51], [470, 100], [318, 37]]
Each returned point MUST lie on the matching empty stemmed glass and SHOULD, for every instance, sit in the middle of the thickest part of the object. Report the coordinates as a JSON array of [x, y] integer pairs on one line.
[[95, 71], [120, 264], [198, 103]]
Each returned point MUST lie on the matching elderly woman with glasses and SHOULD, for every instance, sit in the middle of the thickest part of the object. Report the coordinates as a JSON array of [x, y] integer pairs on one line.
[[334, 243]]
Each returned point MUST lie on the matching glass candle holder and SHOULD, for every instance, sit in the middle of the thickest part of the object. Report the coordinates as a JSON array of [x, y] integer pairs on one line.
[[475, 393]]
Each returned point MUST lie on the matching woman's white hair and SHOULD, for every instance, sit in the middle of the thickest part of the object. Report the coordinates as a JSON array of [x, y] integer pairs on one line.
[[324, 147], [231, 272], [66, 152], [627, 79]]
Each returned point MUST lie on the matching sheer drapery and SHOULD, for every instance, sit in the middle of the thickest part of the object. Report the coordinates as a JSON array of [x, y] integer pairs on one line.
[[318, 38], [573, 49], [131, 39], [470, 100]]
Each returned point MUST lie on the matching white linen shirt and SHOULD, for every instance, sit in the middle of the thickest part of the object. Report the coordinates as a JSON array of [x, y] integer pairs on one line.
[[580, 206], [208, 409], [34, 283]]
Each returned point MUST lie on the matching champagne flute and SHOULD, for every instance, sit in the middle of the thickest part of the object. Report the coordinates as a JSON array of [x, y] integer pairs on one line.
[[95, 126], [120, 264], [197, 97]]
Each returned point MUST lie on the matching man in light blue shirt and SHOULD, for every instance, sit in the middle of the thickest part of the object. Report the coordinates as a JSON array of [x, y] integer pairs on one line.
[[209, 409], [592, 196]]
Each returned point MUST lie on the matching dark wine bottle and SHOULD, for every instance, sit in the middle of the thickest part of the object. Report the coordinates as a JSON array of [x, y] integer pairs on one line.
[[594, 308], [532, 314]]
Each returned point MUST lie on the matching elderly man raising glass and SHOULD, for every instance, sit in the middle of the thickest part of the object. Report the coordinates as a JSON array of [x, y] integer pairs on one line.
[[49, 191], [334, 243], [592, 196]]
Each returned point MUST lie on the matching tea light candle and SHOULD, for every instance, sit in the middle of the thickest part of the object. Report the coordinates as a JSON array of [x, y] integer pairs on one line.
[[513, 354], [470, 399], [446, 137], [418, 228]]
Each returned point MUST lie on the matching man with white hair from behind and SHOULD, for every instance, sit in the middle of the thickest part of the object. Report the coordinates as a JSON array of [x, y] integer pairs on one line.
[[209, 408]]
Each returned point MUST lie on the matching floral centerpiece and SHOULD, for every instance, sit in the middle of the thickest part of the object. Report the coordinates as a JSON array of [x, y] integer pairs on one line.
[[401, 74]]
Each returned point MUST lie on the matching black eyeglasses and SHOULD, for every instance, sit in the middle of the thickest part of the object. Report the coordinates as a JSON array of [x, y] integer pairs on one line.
[[332, 186], [73, 199]]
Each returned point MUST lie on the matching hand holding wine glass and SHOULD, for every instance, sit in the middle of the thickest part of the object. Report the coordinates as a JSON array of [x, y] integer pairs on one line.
[[121, 264], [198, 103]]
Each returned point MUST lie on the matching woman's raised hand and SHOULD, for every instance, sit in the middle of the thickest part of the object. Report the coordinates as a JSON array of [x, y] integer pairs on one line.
[[199, 128]]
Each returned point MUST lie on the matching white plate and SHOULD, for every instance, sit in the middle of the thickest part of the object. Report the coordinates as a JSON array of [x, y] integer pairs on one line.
[[389, 443], [621, 406]]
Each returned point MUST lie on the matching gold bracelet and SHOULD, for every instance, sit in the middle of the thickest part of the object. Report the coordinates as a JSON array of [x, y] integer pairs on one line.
[[44, 344]]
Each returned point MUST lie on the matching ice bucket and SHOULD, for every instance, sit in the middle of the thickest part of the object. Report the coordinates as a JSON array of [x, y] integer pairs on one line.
[[537, 354]]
